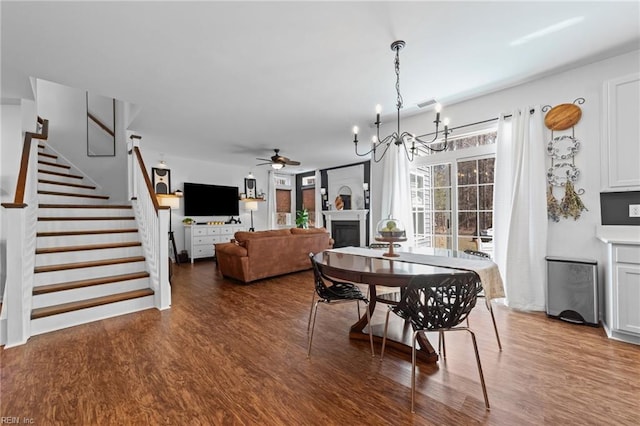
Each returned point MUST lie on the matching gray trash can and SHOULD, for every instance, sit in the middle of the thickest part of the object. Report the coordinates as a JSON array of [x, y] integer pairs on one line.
[[572, 290]]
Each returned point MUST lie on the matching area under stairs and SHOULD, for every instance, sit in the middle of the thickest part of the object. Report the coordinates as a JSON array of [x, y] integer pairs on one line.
[[89, 259]]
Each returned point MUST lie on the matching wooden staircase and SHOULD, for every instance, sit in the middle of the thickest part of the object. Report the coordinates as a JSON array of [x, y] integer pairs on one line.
[[89, 259]]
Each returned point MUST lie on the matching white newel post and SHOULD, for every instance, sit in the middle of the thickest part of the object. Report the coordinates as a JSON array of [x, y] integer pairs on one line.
[[18, 307], [163, 293]]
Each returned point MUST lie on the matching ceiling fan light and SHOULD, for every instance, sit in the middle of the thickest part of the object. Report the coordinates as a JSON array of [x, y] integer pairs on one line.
[[277, 166]]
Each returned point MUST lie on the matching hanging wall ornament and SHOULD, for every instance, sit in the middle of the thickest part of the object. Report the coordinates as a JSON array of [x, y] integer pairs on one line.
[[571, 205], [562, 150], [553, 207]]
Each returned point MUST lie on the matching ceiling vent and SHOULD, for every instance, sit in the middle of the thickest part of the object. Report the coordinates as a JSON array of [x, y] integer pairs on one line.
[[428, 103]]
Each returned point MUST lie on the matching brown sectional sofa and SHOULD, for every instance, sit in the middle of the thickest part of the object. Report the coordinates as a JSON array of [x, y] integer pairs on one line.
[[256, 255]]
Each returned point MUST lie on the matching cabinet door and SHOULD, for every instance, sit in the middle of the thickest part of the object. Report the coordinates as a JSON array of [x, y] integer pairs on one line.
[[621, 149], [628, 298]]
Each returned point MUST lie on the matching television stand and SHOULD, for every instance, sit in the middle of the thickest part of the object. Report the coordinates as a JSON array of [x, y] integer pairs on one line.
[[199, 239]]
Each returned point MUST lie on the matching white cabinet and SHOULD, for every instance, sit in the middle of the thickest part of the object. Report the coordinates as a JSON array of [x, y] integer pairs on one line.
[[622, 292], [199, 239], [621, 136]]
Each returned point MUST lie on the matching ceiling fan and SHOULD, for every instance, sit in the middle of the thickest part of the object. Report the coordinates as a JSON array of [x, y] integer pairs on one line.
[[278, 161]]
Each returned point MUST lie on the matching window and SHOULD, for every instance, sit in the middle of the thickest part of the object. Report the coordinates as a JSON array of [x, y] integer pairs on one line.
[[452, 195]]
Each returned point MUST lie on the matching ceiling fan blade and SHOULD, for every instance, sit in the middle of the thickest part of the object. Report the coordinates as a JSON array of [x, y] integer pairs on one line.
[[264, 159], [264, 164], [292, 163]]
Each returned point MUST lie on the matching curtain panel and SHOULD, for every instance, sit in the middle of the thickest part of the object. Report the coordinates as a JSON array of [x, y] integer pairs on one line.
[[520, 209]]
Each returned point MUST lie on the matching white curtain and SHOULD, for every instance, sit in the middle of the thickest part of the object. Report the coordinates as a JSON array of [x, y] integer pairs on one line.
[[396, 190], [520, 209]]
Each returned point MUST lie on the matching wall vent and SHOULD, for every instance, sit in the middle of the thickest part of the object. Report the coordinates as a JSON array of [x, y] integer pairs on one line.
[[428, 103]]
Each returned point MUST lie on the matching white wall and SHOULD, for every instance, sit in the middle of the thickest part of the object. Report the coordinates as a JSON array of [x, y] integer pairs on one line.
[[66, 110], [568, 238], [211, 173]]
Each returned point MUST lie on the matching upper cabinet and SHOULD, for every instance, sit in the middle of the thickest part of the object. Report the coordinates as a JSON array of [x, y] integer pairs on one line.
[[621, 138]]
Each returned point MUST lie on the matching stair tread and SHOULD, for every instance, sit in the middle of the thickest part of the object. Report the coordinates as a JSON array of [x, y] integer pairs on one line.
[[44, 154], [71, 194], [49, 172], [71, 218], [89, 303], [88, 264], [73, 185], [64, 249], [48, 163], [86, 232], [85, 206], [50, 288]]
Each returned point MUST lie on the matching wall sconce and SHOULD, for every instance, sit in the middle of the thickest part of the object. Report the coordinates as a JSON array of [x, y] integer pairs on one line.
[[323, 195], [365, 187]]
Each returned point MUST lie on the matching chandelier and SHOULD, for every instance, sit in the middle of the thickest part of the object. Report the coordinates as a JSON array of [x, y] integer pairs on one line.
[[401, 138]]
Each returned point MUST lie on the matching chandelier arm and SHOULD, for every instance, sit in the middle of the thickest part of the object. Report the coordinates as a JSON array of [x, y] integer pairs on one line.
[[366, 153], [409, 150], [386, 148]]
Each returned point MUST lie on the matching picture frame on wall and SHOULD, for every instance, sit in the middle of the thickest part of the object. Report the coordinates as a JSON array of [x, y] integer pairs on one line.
[[161, 180]]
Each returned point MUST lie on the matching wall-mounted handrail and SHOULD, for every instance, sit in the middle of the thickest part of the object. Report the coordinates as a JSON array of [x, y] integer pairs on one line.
[[100, 124], [18, 199]]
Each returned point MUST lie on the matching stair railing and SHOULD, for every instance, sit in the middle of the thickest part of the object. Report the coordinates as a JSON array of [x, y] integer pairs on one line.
[[21, 244], [153, 224]]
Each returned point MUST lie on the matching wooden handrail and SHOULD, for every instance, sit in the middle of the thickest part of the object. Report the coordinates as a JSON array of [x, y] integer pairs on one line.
[[147, 181], [100, 124], [18, 199]]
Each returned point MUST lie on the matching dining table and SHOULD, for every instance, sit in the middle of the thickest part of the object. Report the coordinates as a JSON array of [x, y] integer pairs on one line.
[[371, 267]]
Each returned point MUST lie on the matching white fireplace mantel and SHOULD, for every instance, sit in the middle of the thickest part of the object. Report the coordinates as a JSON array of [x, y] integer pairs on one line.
[[359, 215]]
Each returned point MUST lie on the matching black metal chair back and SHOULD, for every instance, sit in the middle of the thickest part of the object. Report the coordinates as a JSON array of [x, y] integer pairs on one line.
[[435, 304], [338, 290]]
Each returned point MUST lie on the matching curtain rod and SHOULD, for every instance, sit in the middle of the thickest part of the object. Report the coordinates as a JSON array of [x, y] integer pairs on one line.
[[489, 120]]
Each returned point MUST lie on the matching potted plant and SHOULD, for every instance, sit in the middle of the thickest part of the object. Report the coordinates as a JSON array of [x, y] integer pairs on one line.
[[302, 218], [187, 221]]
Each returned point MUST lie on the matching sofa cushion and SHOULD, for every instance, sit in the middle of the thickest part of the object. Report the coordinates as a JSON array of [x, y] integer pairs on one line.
[[309, 231], [242, 236]]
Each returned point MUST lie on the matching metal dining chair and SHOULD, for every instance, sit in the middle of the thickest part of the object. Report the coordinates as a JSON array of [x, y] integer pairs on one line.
[[487, 302], [435, 304], [338, 292]]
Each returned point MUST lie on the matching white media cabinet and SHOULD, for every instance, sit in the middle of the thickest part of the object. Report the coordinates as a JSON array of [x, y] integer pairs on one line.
[[199, 239]]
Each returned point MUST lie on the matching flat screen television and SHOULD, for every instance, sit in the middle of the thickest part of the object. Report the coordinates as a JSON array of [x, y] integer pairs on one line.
[[210, 200]]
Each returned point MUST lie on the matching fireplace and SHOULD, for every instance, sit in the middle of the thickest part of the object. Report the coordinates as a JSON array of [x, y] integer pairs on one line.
[[345, 233], [347, 227]]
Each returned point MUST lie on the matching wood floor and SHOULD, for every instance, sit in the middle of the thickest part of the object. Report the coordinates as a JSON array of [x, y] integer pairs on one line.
[[227, 353]]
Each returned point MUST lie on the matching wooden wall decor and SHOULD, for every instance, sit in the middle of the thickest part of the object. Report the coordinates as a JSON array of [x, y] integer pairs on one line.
[[562, 150]]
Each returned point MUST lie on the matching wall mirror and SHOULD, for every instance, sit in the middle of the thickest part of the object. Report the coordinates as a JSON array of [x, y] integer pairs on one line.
[[101, 125]]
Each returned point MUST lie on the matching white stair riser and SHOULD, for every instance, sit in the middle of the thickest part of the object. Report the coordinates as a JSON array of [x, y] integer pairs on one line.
[[70, 319], [52, 168], [81, 225], [55, 277], [78, 240], [84, 212], [61, 179], [66, 188], [64, 199], [86, 255], [84, 293]]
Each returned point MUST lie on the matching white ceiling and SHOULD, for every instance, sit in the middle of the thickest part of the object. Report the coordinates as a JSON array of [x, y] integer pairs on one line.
[[229, 81]]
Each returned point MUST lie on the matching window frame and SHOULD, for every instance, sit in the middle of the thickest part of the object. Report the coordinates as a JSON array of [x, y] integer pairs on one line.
[[452, 158]]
